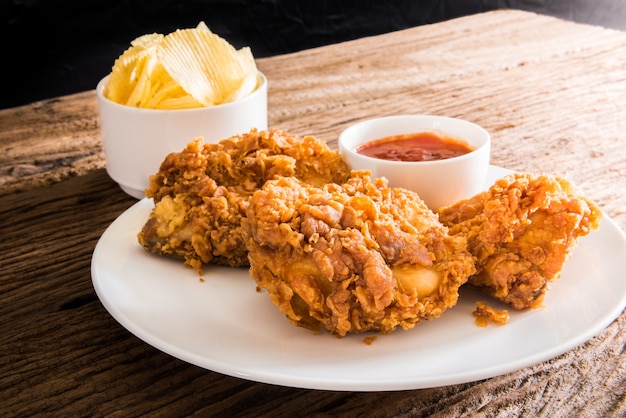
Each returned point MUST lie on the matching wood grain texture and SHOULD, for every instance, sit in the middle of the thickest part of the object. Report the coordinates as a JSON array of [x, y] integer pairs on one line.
[[551, 93]]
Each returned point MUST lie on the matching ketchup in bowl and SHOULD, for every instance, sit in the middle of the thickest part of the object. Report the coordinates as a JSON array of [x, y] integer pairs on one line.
[[419, 146]]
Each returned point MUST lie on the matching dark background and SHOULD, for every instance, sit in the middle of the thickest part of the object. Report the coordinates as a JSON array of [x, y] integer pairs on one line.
[[58, 47]]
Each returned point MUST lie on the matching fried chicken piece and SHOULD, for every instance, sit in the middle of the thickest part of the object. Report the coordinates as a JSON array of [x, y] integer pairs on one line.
[[201, 193], [521, 232], [354, 257]]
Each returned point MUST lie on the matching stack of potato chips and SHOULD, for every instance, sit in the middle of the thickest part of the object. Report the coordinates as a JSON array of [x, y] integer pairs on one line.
[[188, 68]]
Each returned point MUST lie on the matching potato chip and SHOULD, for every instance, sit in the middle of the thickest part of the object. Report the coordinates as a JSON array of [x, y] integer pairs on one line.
[[185, 69], [204, 64], [249, 84], [124, 76]]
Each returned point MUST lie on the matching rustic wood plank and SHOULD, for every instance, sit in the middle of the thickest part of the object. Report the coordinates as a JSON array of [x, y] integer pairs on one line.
[[49, 141]]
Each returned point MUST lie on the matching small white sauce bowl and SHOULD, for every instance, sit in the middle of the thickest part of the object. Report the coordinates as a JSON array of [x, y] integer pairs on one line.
[[440, 182], [137, 140]]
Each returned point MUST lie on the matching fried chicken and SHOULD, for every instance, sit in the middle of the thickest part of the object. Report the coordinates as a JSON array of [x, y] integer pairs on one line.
[[201, 193], [521, 232], [354, 257]]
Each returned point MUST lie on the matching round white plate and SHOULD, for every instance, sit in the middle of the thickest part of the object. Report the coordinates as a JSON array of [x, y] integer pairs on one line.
[[223, 324]]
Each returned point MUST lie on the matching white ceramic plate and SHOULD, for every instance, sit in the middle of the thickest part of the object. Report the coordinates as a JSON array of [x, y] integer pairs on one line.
[[223, 324]]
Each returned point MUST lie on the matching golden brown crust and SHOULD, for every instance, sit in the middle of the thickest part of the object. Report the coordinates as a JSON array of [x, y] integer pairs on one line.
[[336, 257], [521, 231], [201, 193]]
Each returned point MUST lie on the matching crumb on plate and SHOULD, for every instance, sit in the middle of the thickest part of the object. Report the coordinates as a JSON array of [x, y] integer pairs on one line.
[[485, 314], [369, 339]]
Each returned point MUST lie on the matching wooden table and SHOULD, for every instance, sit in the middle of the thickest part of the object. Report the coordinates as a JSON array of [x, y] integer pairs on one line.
[[551, 93]]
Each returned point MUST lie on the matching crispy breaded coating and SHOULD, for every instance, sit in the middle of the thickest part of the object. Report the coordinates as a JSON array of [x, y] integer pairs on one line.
[[201, 193], [354, 257], [521, 232]]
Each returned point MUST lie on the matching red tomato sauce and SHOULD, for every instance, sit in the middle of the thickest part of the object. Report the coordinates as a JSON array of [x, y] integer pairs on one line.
[[419, 146]]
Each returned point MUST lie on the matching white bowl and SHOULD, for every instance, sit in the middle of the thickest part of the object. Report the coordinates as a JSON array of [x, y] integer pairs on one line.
[[137, 140], [439, 182]]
